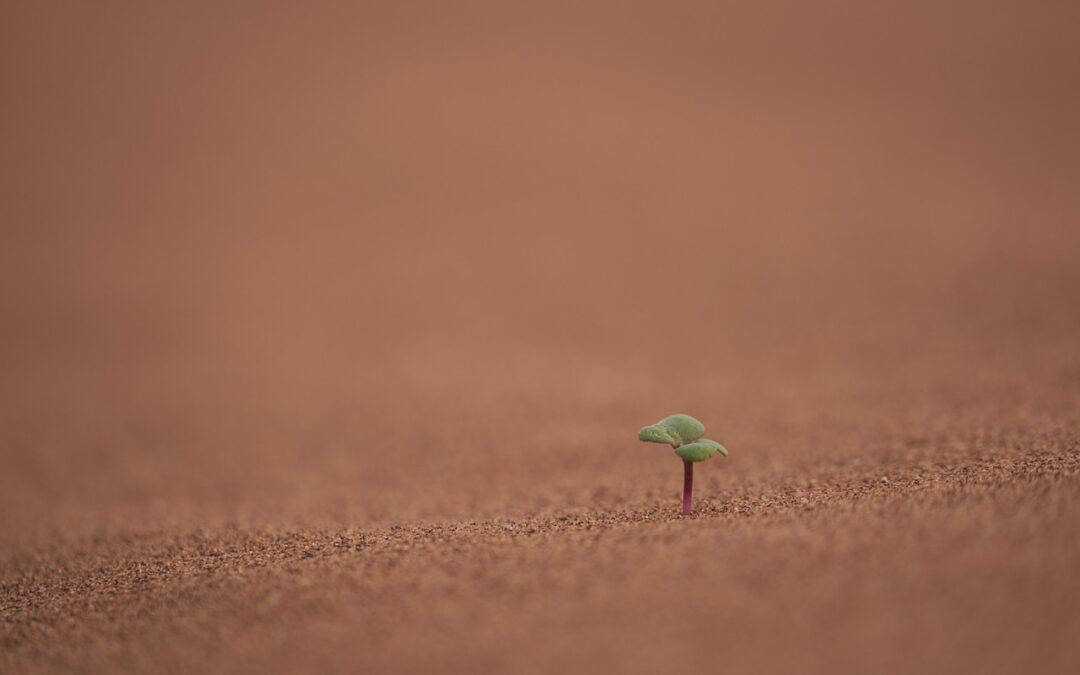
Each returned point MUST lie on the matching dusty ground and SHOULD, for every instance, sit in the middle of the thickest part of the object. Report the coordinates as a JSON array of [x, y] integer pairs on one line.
[[325, 334]]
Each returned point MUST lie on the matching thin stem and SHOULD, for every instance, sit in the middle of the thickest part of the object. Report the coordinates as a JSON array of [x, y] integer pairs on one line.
[[687, 487]]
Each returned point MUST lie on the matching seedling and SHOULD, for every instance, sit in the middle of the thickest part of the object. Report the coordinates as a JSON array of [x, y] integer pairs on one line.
[[684, 433]]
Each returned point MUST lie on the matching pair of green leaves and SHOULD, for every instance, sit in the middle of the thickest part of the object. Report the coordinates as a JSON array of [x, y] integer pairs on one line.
[[684, 433]]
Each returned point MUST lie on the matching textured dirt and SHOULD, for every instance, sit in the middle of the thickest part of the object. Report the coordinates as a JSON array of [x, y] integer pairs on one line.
[[325, 333]]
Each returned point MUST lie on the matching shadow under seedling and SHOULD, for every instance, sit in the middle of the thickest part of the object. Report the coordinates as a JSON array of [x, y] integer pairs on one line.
[[684, 433]]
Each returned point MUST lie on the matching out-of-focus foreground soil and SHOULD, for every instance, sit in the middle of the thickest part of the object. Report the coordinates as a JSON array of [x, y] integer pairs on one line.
[[326, 330]]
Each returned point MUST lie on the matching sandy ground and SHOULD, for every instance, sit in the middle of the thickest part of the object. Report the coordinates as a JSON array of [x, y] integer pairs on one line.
[[326, 331]]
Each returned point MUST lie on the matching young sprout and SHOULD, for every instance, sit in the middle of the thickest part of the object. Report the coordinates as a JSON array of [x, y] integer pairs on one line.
[[684, 433]]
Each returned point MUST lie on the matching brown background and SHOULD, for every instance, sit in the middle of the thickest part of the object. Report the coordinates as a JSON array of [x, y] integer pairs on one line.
[[326, 329]]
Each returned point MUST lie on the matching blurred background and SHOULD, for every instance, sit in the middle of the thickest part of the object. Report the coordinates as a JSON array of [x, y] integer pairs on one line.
[[365, 262]]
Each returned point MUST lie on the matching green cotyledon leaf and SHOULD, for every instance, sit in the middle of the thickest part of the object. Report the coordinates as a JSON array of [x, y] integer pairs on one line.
[[674, 430], [654, 433], [700, 450]]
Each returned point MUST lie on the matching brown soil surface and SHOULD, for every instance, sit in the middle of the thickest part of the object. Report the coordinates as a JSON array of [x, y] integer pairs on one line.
[[325, 333]]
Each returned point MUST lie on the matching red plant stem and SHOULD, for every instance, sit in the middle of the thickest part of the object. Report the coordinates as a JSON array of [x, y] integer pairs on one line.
[[687, 487]]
